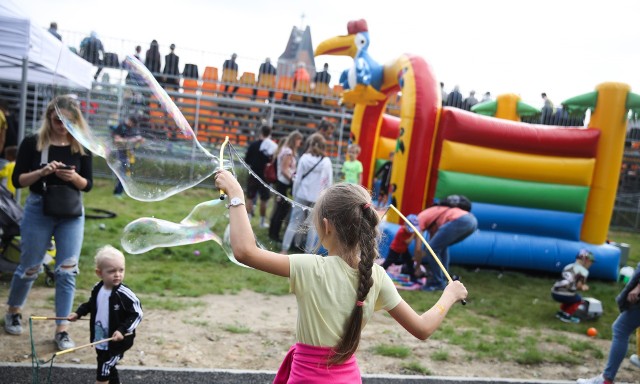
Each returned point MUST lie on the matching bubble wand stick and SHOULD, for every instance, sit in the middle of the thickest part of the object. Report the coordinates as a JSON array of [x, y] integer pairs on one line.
[[444, 270], [86, 345], [52, 318], [224, 144]]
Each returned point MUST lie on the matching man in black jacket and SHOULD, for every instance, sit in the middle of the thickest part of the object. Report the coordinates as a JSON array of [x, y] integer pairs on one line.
[[171, 61]]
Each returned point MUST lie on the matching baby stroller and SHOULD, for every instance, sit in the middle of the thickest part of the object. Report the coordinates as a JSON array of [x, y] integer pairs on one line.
[[10, 218]]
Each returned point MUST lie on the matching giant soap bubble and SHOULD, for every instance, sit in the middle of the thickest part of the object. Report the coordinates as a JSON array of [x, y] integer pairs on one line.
[[155, 156]]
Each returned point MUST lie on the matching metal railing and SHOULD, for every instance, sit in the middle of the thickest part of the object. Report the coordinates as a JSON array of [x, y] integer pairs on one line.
[[212, 117]]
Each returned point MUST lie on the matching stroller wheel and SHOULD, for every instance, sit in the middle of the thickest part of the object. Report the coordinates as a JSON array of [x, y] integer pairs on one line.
[[49, 281]]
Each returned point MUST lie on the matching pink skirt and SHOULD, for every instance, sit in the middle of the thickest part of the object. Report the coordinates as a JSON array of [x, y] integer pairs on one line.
[[308, 364]]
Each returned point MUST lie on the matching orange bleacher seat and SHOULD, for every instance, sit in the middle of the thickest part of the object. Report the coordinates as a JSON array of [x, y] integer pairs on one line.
[[321, 89], [247, 84], [210, 81], [335, 94], [285, 84], [209, 89], [189, 87], [266, 83]]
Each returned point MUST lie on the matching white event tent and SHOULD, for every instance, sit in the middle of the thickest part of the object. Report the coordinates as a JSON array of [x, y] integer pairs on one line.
[[29, 54]]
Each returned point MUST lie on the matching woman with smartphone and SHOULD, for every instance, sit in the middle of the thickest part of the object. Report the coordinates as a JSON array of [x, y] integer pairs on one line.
[[51, 158]]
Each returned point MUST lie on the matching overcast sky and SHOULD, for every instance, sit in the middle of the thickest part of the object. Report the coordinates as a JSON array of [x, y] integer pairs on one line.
[[564, 48]]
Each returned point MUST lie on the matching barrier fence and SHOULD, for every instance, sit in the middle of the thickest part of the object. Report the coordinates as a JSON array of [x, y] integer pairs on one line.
[[213, 114]]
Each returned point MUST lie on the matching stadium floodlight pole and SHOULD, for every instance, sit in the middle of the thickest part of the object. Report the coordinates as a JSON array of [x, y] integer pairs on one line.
[[417, 232], [224, 144]]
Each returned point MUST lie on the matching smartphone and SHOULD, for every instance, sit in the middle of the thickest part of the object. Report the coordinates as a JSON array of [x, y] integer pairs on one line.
[[65, 167]]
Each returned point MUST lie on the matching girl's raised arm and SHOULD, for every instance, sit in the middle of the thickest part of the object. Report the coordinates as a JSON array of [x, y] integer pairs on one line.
[[243, 242], [423, 326]]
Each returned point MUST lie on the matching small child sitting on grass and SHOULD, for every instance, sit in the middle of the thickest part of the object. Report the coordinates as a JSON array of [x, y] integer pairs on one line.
[[574, 279], [399, 248], [115, 313]]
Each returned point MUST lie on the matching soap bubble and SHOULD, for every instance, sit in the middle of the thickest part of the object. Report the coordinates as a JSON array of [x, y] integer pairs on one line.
[[158, 155], [154, 153]]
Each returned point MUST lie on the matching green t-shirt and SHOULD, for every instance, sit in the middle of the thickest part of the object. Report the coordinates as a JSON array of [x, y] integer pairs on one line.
[[352, 170]]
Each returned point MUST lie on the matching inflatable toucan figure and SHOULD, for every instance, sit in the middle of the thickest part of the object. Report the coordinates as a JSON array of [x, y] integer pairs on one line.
[[363, 80]]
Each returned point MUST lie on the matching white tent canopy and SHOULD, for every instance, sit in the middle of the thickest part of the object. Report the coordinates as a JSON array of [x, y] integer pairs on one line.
[[49, 61]]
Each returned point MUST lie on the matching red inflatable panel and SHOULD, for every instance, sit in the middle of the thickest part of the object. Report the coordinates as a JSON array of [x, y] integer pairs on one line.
[[470, 128]]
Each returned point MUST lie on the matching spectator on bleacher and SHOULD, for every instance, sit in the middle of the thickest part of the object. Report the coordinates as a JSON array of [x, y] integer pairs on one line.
[[547, 109], [171, 71], [300, 77], [286, 162], [138, 52], [258, 155], [455, 98], [323, 76], [443, 94], [92, 50], [230, 74], [470, 101], [53, 29], [133, 78], [152, 58], [266, 68]]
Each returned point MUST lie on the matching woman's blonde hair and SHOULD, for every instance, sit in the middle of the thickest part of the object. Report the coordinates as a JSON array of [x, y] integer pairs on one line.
[[291, 139], [71, 106], [348, 208]]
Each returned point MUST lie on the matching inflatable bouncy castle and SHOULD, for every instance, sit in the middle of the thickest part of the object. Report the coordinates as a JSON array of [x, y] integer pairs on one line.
[[540, 193]]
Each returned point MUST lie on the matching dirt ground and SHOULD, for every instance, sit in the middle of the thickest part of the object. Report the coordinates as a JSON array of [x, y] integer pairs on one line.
[[254, 331]]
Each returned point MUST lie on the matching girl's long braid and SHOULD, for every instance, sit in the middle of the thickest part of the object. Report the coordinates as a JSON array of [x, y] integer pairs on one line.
[[358, 231]]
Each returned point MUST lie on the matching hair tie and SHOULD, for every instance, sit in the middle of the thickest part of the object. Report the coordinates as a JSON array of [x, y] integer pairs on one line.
[[359, 303], [365, 206]]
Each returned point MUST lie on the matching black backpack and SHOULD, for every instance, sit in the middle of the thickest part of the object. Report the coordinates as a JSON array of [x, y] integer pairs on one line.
[[459, 201]]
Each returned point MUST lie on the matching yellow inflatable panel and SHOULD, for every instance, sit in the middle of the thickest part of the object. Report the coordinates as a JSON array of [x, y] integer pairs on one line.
[[610, 116], [466, 158]]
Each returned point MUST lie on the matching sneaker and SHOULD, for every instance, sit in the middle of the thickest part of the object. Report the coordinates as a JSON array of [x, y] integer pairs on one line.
[[13, 323], [594, 380], [64, 341], [433, 287], [567, 318], [635, 360]]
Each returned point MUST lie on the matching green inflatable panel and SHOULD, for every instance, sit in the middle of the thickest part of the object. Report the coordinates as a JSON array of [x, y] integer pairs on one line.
[[529, 194]]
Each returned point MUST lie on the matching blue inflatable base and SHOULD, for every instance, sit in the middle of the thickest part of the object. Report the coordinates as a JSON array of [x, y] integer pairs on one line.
[[486, 248]]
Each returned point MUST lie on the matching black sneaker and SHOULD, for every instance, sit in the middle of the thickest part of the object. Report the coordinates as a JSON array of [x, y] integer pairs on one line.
[[63, 341], [13, 323], [567, 318]]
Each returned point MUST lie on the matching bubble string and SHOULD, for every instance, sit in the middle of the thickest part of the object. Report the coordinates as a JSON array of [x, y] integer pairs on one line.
[[224, 144], [417, 232], [265, 184]]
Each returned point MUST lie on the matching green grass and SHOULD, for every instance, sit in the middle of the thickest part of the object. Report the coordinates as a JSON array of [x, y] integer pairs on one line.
[[508, 317], [413, 367], [398, 351], [236, 328]]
